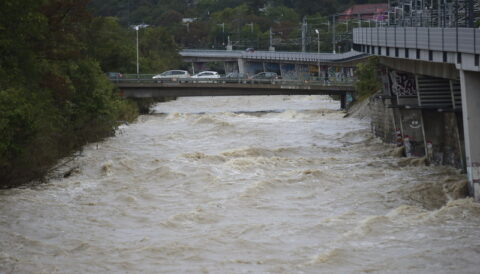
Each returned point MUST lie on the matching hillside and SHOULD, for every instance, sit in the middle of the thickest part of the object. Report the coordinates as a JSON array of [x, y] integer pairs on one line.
[[209, 23]]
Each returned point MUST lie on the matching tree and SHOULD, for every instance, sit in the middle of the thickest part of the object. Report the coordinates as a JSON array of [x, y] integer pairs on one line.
[[112, 45], [367, 78], [53, 95], [158, 51]]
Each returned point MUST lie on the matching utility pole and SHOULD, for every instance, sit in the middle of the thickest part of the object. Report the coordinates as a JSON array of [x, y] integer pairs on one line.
[[251, 26], [271, 48], [333, 35], [304, 30], [388, 13], [223, 33]]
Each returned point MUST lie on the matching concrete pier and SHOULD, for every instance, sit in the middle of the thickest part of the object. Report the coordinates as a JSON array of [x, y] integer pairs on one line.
[[470, 87]]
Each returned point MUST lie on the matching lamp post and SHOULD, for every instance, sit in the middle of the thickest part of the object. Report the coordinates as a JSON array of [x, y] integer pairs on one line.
[[137, 27], [333, 36], [318, 43]]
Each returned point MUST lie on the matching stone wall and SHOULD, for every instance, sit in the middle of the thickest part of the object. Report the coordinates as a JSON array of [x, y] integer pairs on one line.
[[382, 119]]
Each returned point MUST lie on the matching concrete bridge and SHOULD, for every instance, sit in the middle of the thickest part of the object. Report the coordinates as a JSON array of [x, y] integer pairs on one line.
[[289, 65], [431, 90], [220, 87], [197, 55]]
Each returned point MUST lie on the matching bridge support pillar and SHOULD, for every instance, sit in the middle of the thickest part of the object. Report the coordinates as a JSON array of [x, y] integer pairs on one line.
[[241, 65], [470, 86], [343, 101]]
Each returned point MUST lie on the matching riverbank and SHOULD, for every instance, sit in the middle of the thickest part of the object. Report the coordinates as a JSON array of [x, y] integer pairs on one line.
[[53, 134]]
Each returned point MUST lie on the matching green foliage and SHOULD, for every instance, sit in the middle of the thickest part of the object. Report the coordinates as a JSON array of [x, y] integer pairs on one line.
[[203, 31], [112, 45], [17, 123], [158, 51], [54, 96], [282, 13], [367, 78]]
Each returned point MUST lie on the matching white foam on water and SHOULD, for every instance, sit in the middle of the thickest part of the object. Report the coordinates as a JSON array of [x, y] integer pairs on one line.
[[260, 184]]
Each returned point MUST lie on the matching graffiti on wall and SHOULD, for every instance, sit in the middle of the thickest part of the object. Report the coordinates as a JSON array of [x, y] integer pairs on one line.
[[402, 83], [288, 71]]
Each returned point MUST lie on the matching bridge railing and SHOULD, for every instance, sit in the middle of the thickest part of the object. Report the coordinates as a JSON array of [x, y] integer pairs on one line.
[[466, 40], [321, 81], [283, 56]]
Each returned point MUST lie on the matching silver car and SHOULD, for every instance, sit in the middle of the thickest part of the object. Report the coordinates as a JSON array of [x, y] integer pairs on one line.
[[207, 74], [171, 75]]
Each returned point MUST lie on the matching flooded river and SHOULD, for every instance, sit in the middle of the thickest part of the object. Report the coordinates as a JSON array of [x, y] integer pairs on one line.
[[242, 185]]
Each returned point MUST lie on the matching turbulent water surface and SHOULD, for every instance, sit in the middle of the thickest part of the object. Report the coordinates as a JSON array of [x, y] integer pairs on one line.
[[242, 185]]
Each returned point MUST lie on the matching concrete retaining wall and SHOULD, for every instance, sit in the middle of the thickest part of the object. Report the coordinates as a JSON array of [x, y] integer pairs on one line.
[[382, 119], [436, 135]]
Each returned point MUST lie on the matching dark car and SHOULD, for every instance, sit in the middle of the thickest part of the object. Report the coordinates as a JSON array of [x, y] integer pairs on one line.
[[114, 75], [237, 75], [234, 77], [250, 50]]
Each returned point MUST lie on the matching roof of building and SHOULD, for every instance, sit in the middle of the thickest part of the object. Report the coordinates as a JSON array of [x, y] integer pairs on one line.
[[365, 9]]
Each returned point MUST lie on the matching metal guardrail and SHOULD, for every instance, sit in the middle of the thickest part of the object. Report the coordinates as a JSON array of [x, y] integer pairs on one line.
[[464, 40], [147, 78]]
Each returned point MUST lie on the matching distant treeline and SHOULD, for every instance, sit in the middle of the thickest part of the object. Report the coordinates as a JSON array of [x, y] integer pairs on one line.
[[246, 22], [54, 95]]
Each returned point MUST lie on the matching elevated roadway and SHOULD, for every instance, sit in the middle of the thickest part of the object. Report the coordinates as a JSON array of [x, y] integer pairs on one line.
[[290, 65], [195, 55]]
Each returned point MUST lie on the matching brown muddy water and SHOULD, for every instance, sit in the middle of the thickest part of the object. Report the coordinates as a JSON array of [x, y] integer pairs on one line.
[[242, 185]]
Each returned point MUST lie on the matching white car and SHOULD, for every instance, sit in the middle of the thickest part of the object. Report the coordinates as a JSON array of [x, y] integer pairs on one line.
[[207, 74], [171, 75]]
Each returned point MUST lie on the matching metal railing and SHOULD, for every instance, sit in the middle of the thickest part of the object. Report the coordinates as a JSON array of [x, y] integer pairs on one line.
[[311, 81], [273, 55], [464, 40]]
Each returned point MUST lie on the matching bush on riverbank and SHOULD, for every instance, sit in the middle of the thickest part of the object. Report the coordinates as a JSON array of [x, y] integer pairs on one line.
[[54, 97], [368, 81]]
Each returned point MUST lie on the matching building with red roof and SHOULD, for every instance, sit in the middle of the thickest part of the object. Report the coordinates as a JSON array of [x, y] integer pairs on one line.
[[365, 11]]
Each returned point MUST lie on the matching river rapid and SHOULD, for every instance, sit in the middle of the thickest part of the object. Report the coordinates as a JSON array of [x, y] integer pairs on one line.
[[273, 184]]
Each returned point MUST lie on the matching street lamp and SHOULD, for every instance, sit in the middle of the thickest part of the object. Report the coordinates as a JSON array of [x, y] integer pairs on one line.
[[137, 27], [318, 43], [318, 39], [333, 35]]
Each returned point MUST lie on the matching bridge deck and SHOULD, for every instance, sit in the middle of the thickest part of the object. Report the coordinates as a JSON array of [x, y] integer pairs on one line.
[[177, 89]]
